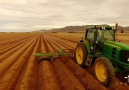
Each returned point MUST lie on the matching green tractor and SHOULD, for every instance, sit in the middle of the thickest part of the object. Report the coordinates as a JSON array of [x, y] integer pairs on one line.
[[99, 48]]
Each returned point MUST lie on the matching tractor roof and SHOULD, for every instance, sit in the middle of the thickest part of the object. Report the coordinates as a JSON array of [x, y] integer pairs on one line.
[[102, 27]]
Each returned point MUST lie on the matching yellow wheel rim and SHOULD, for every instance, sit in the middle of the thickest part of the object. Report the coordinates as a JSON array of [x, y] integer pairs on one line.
[[100, 71], [79, 55]]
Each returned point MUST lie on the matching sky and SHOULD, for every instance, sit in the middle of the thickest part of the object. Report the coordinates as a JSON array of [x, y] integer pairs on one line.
[[31, 15]]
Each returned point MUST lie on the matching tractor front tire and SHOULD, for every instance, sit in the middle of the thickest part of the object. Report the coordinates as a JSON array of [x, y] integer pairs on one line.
[[81, 54], [104, 71]]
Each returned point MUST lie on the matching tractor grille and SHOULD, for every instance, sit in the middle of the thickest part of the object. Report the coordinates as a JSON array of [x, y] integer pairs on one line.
[[113, 53], [124, 56]]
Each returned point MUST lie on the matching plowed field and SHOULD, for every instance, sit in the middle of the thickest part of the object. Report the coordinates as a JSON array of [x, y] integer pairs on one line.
[[20, 70]]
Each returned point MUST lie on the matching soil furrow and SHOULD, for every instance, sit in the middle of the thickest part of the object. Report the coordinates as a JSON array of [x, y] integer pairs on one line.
[[59, 44], [66, 38], [14, 44], [13, 41], [10, 47], [28, 78], [47, 78], [4, 56], [20, 70], [58, 39], [66, 78], [74, 83], [88, 81], [11, 59], [8, 79], [63, 43]]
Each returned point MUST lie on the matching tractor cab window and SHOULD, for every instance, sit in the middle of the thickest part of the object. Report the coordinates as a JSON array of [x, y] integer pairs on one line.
[[105, 35], [90, 35], [108, 35], [99, 35]]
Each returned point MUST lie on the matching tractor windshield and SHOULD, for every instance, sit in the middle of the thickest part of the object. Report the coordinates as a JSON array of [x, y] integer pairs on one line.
[[108, 35]]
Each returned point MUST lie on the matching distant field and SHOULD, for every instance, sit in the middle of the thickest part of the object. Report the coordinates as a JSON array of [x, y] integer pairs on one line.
[[124, 37]]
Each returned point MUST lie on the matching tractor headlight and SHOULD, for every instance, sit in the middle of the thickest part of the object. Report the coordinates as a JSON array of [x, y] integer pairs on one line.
[[124, 56]]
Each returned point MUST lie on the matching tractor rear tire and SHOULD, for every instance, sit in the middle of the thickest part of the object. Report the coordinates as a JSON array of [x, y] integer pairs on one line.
[[81, 54], [104, 71]]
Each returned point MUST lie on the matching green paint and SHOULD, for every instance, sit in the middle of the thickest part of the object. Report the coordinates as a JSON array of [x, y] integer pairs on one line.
[[61, 52], [88, 46]]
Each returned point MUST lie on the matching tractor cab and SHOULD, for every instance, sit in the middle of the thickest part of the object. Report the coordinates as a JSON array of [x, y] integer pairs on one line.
[[97, 35]]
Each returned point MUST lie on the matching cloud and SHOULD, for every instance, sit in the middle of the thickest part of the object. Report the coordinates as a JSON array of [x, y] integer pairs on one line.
[[29, 15]]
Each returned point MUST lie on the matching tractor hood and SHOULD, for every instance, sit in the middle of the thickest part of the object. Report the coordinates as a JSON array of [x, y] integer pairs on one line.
[[117, 52], [117, 45]]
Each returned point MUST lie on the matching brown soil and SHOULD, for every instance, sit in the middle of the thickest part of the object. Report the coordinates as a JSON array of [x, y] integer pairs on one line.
[[20, 70]]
